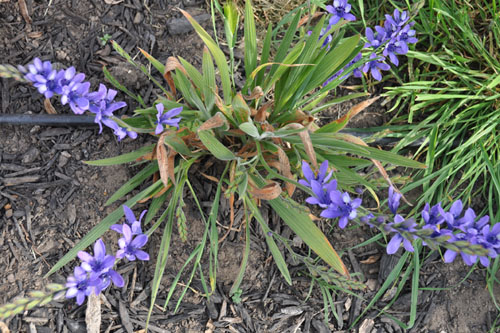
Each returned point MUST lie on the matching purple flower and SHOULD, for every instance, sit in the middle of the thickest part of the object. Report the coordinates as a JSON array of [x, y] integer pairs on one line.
[[394, 47], [104, 280], [131, 221], [341, 206], [166, 118], [100, 262], [452, 217], [400, 224], [393, 200], [75, 94], [394, 23], [321, 178], [490, 240], [375, 65], [119, 131], [321, 193], [43, 77], [340, 10], [130, 247], [407, 36], [375, 40], [102, 104], [79, 285], [66, 76]]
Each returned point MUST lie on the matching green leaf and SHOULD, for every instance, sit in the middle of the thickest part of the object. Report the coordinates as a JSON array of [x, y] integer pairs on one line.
[[285, 43], [218, 55], [264, 55], [304, 227], [101, 228], [133, 182], [332, 62], [250, 129], [209, 86], [156, 64], [121, 159], [215, 146], [277, 256], [250, 40]]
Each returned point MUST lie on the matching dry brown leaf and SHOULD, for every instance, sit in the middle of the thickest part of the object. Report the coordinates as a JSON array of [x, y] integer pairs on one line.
[[357, 109], [268, 192], [285, 170], [256, 94], [371, 259], [171, 65], [262, 113], [214, 122], [93, 314], [308, 146], [24, 11], [35, 34], [48, 107], [165, 157]]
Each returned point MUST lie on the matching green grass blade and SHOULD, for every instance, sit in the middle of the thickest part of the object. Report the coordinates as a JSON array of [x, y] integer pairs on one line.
[[218, 55], [277, 256], [121, 159], [250, 39]]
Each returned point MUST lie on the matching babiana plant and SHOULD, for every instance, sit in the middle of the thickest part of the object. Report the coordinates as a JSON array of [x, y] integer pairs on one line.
[[263, 135]]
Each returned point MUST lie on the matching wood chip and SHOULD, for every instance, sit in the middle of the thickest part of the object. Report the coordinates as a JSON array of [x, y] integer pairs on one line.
[[93, 314], [48, 106], [20, 180], [24, 11]]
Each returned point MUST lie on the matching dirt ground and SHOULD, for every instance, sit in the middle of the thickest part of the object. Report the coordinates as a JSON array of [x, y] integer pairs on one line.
[[55, 199]]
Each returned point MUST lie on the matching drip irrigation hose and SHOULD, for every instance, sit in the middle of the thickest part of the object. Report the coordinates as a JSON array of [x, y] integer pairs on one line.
[[82, 120], [46, 119]]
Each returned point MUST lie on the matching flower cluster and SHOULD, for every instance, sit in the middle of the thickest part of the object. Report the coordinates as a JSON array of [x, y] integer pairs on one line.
[[74, 91], [456, 230], [95, 273], [389, 40], [333, 202]]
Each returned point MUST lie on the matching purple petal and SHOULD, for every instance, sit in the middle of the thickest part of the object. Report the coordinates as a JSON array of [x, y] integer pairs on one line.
[[117, 228], [80, 298], [394, 244], [99, 249], [84, 256], [343, 222], [141, 255], [408, 246], [116, 278], [139, 241], [159, 129], [306, 170], [129, 214], [71, 292], [449, 256], [159, 108]]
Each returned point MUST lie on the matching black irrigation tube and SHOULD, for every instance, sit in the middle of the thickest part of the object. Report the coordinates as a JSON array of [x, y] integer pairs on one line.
[[83, 120]]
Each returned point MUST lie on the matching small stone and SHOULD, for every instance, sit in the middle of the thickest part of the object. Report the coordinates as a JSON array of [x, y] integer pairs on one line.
[[11, 278], [372, 284], [8, 213], [31, 155], [179, 26]]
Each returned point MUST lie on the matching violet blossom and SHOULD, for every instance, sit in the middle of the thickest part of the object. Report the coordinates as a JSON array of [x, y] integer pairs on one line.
[[130, 247], [340, 10], [166, 118]]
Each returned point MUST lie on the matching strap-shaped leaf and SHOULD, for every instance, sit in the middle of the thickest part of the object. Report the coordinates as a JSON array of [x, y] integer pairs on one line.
[[218, 55], [277, 256], [300, 222], [121, 159], [215, 146], [250, 40]]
